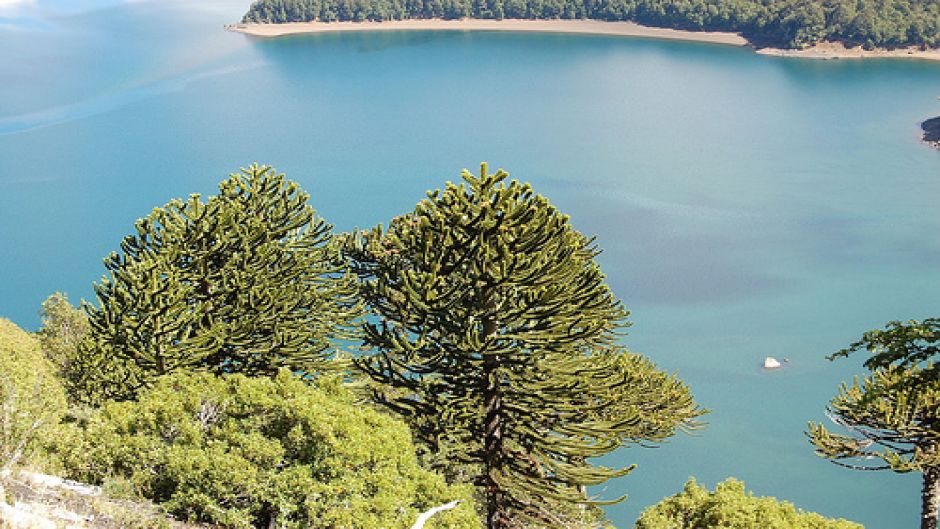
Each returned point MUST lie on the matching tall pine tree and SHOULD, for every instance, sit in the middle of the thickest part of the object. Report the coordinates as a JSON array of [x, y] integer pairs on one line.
[[892, 415], [495, 335], [248, 281]]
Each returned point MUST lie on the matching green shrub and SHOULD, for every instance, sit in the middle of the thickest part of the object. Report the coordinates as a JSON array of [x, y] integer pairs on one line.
[[63, 329], [243, 452], [730, 506], [31, 397]]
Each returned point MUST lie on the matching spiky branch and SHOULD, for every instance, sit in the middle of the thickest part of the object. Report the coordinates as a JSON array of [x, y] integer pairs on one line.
[[892, 416]]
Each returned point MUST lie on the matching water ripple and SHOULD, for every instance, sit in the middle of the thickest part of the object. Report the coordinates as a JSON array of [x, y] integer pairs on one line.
[[99, 105]]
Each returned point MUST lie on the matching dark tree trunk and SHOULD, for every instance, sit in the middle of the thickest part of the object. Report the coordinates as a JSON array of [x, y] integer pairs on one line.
[[930, 498], [493, 435], [160, 363], [493, 446]]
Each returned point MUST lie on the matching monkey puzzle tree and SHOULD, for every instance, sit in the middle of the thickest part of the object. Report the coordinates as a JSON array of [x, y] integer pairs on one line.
[[494, 334], [248, 281], [893, 414]]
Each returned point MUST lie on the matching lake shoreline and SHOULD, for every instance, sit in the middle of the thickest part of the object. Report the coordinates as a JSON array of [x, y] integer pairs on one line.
[[821, 51], [588, 27], [838, 50]]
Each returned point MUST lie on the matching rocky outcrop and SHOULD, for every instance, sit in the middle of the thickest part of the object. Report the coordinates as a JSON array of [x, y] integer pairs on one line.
[[771, 363], [37, 501], [931, 129]]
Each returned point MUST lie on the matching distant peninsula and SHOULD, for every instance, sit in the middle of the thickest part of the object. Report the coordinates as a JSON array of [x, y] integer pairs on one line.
[[813, 28]]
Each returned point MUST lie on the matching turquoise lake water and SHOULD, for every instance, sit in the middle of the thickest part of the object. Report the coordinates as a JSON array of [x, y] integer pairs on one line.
[[748, 206]]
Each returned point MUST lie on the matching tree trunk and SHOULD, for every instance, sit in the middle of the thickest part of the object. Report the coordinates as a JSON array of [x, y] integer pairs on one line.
[[493, 446], [160, 361], [930, 498], [493, 435]]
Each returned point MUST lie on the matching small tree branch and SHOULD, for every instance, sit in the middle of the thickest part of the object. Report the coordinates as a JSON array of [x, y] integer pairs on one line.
[[426, 515]]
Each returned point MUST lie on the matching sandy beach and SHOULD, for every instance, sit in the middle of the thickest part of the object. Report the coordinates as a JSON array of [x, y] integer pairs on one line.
[[594, 27], [837, 50], [825, 50]]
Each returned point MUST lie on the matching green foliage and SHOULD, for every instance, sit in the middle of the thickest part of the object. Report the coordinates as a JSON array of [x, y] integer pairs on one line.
[[31, 397], [64, 327], [657, 403], [248, 281], [494, 335], [785, 23], [892, 415], [248, 452], [899, 344], [730, 506]]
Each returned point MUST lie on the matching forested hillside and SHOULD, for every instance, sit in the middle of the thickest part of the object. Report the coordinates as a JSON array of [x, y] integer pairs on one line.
[[783, 23]]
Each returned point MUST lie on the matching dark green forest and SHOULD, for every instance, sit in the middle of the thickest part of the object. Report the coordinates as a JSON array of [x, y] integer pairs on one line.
[[783, 23]]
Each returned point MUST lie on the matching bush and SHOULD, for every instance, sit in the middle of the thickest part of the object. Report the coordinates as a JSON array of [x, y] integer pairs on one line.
[[733, 508], [31, 397], [251, 452], [63, 329]]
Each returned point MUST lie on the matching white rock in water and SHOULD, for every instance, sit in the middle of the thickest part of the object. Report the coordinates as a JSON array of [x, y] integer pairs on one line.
[[771, 363]]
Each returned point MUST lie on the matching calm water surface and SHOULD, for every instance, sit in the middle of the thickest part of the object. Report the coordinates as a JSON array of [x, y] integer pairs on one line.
[[748, 206]]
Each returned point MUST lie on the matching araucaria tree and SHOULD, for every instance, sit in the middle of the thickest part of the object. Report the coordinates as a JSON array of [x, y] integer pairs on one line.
[[893, 414], [495, 335], [248, 281]]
